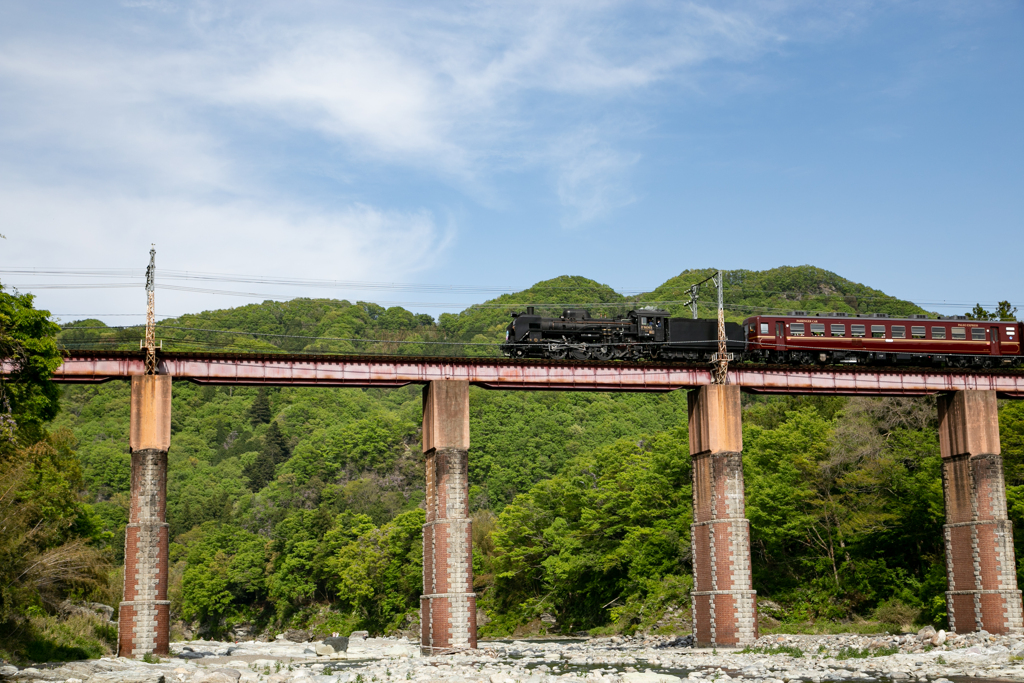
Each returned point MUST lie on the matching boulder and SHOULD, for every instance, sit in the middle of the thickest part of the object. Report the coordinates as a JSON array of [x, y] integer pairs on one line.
[[323, 649], [241, 632], [339, 643], [939, 638], [130, 676], [651, 677], [92, 609], [297, 635], [215, 676]]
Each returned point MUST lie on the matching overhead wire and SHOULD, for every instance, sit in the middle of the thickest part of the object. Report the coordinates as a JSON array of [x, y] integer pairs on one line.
[[179, 275]]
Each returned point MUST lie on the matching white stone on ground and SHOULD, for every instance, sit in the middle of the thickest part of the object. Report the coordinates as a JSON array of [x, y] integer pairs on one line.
[[929, 656]]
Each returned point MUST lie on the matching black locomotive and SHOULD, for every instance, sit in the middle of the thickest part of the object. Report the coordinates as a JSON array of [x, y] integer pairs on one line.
[[645, 334]]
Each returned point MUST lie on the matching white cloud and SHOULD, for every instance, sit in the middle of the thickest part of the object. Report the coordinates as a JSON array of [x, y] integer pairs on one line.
[[152, 124], [356, 242], [592, 178]]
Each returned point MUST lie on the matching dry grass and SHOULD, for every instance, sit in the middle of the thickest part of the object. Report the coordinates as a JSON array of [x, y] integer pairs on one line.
[[53, 639]]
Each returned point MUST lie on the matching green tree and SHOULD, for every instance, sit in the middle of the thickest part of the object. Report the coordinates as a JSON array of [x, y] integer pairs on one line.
[[261, 471], [259, 412], [380, 574], [28, 398], [1005, 312], [275, 444]]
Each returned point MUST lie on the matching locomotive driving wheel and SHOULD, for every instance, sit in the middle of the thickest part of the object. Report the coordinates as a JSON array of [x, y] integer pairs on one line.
[[603, 353], [580, 354]]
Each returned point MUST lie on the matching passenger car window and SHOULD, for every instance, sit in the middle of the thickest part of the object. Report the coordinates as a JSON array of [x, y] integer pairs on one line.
[[838, 330], [959, 333], [878, 331], [764, 328], [917, 331], [899, 331], [796, 329], [818, 329], [978, 333], [856, 330], [938, 333]]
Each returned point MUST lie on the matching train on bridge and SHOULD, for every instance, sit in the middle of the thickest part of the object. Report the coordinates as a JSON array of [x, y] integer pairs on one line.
[[798, 338]]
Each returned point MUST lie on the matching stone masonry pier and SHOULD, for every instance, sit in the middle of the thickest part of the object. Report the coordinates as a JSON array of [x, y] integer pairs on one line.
[[144, 615], [448, 604]]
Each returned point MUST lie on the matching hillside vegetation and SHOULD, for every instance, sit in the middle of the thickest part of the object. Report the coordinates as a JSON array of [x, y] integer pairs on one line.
[[301, 507]]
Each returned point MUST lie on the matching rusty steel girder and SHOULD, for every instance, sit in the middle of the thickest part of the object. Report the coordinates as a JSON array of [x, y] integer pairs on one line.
[[239, 369]]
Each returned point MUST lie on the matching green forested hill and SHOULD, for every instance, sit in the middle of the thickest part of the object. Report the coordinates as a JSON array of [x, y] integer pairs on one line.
[[805, 288], [330, 326], [301, 506]]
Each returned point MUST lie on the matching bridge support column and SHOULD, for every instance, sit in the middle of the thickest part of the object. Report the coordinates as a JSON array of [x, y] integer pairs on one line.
[[144, 618], [980, 565], [724, 602], [448, 604]]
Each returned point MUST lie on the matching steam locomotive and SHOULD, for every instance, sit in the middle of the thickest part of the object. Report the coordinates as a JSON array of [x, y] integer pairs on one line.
[[797, 338], [643, 334]]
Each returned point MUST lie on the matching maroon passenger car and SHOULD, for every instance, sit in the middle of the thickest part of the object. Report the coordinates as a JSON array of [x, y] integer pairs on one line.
[[878, 339]]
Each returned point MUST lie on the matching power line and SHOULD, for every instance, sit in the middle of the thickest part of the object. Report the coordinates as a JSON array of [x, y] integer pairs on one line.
[[138, 274]]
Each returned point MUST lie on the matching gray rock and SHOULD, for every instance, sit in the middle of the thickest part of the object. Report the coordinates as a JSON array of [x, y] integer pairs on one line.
[[8, 670], [359, 634], [323, 649], [651, 677], [31, 673], [339, 643], [92, 609], [130, 676], [297, 635]]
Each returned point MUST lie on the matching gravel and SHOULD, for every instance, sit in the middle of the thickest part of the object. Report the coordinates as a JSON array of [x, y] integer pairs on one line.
[[773, 659]]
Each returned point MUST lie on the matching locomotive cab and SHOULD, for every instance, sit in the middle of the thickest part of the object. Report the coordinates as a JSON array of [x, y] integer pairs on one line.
[[650, 324], [522, 325]]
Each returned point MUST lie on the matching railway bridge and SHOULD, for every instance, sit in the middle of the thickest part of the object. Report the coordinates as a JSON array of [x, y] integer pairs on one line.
[[980, 564]]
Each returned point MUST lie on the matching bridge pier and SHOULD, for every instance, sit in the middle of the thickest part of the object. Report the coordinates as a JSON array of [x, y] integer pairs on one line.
[[724, 602], [980, 565], [448, 604], [144, 617]]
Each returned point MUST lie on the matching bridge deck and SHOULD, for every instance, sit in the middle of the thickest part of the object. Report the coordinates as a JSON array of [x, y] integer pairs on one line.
[[499, 373]]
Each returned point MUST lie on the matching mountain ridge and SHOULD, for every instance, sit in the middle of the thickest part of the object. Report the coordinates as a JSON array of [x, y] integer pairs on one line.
[[304, 325]]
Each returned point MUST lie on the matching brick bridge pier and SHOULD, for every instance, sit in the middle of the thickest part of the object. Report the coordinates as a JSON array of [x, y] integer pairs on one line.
[[980, 562]]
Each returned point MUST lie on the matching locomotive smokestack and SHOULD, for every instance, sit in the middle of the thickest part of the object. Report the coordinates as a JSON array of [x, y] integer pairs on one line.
[[529, 310]]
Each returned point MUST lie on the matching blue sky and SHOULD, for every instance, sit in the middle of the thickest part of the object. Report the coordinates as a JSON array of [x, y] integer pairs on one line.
[[489, 144]]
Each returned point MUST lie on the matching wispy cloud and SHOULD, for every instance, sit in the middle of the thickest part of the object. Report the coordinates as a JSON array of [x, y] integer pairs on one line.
[[174, 118]]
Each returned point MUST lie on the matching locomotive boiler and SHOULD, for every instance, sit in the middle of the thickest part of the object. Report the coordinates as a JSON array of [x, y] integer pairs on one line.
[[644, 334]]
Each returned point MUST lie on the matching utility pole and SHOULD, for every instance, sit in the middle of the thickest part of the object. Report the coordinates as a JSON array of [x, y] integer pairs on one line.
[[694, 290], [150, 342], [722, 358]]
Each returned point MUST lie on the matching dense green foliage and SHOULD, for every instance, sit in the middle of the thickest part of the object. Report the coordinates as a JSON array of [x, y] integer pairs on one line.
[[302, 507], [52, 545]]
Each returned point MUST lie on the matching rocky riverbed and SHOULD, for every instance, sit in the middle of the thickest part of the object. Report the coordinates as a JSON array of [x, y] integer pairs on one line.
[[928, 656]]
